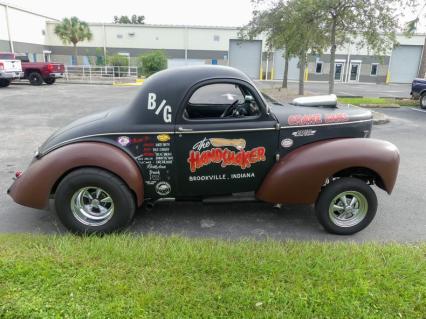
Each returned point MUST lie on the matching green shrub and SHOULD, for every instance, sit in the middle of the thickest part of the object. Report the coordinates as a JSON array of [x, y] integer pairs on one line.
[[152, 62], [120, 62]]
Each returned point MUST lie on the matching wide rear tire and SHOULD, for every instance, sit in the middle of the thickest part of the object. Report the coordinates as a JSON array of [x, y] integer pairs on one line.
[[346, 206], [91, 200], [49, 81]]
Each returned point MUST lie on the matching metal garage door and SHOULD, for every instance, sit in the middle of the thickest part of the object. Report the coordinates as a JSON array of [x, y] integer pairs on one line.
[[246, 55], [293, 70], [405, 63]]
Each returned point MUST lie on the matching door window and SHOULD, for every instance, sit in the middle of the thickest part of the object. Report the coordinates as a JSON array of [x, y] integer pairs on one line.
[[221, 100]]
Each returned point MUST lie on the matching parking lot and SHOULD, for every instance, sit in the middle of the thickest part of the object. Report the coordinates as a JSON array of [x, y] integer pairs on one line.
[[28, 115], [347, 89]]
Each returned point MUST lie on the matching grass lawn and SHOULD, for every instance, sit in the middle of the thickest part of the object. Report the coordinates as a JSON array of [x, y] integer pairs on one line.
[[175, 277], [378, 101]]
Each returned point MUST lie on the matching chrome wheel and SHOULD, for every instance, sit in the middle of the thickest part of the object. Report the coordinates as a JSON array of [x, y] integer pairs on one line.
[[92, 206], [423, 101], [348, 209]]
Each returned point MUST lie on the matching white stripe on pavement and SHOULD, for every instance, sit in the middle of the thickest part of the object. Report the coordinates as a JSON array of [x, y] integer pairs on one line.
[[423, 111]]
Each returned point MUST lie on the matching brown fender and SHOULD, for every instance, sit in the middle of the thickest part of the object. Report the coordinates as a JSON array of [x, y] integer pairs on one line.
[[299, 176], [35, 185]]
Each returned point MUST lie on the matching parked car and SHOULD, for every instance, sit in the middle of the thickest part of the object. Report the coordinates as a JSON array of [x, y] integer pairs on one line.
[[418, 91], [10, 69], [205, 133], [39, 72]]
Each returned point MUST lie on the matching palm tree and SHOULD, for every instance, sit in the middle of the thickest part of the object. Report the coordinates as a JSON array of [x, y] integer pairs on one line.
[[73, 30]]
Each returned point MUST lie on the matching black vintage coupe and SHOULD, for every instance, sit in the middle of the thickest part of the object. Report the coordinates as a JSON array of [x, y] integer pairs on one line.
[[207, 133]]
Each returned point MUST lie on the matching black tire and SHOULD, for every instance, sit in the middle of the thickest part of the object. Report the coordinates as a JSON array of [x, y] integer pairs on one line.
[[35, 78], [123, 202], [49, 81], [423, 101], [367, 202], [4, 83]]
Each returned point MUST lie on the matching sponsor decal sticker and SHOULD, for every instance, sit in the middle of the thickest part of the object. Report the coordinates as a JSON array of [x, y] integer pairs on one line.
[[199, 156], [123, 140], [163, 108], [163, 138], [305, 119], [287, 142], [307, 132], [163, 188], [314, 119]]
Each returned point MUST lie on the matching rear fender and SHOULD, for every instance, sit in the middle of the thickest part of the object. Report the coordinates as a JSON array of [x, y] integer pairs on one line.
[[299, 176], [35, 185]]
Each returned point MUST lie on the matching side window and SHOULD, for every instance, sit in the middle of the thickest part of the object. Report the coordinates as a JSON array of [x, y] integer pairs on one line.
[[221, 100]]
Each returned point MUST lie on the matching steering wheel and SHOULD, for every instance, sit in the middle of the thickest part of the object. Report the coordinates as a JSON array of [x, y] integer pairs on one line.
[[228, 110]]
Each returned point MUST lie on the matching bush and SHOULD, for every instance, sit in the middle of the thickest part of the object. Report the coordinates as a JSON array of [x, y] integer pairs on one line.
[[120, 62], [152, 62]]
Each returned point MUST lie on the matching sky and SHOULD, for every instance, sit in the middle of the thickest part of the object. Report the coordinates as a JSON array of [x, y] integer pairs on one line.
[[182, 12]]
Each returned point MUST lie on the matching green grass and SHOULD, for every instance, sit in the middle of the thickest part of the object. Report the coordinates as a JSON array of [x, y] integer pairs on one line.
[[378, 101], [126, 276]]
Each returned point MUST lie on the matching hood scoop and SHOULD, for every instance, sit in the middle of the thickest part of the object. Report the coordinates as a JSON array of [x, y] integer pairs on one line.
[[316, 101]]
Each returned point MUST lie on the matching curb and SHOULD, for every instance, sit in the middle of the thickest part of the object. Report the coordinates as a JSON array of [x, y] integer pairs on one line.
[[380, 106]]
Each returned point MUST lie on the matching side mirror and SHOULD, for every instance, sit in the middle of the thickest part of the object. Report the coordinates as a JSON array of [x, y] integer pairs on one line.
[[248, 98]]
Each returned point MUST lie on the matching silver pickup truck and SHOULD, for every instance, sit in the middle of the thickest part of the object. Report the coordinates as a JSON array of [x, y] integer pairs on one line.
[[10, 69]]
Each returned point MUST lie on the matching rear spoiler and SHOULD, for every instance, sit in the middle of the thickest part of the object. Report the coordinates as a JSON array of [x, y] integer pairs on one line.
[[320, 100]]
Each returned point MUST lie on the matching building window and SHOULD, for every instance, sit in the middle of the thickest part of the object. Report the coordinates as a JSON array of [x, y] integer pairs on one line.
[[318, 67], [216, 38], [374, 68]]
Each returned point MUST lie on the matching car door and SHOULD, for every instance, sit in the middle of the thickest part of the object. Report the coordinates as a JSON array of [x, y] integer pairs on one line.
[[223, 155]]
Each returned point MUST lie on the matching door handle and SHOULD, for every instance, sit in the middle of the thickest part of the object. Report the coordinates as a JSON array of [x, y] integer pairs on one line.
[[181, 129]]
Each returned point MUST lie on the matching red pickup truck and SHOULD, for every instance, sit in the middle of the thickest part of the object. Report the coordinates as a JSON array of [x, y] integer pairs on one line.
[[37, 72]]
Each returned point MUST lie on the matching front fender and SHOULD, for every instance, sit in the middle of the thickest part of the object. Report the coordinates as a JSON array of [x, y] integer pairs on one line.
[[299, 176], [35, 185]]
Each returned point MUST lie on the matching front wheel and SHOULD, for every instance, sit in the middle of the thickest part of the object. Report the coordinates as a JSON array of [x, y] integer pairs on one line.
[[346, 206], [423, 101], [35, 78], [4, 83], [92, 200], [49, 81]]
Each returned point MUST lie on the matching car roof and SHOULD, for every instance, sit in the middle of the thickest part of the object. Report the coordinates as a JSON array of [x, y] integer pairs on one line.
[[171, 86]]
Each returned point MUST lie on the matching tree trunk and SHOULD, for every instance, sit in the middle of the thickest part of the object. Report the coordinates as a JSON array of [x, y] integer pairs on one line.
[[302, 66], [422, 71], [75, 53], [285, 78], [332, 57]]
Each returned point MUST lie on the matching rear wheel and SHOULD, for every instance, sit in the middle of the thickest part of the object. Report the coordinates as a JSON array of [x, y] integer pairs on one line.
[[4, 83], [346, 206], [92, 200], [35, 78], [49, 80], [423, 101]]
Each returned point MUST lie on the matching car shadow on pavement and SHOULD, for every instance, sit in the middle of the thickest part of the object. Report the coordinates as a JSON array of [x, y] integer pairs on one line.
[[228, 221]]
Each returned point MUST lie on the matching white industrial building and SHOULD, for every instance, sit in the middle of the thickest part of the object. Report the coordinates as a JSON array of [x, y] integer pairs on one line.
[[32, 33]]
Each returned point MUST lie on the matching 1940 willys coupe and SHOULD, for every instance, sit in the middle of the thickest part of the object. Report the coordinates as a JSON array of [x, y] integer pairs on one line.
[[206, 133]]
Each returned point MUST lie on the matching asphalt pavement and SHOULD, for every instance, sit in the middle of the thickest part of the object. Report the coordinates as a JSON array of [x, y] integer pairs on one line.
[[28, 115], [347, 89]]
